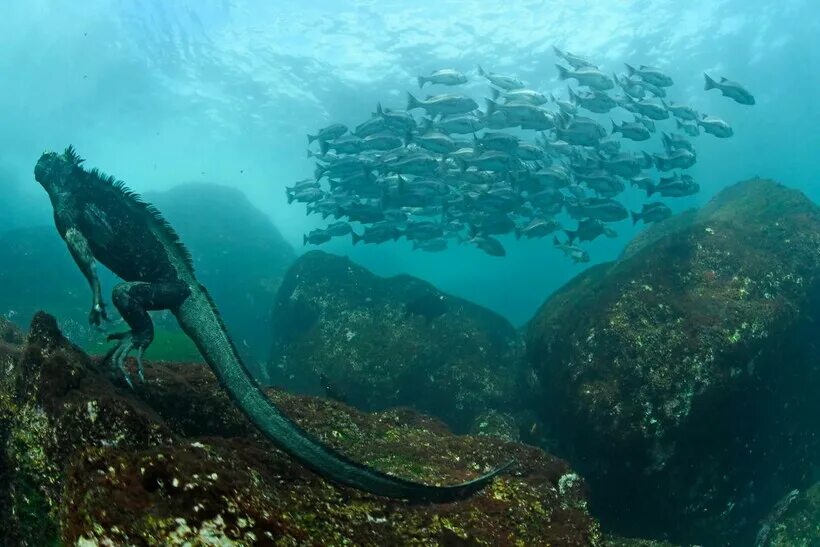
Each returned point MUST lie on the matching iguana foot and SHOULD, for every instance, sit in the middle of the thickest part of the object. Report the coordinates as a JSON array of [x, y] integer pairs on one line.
[[134, 301], [128, 342]]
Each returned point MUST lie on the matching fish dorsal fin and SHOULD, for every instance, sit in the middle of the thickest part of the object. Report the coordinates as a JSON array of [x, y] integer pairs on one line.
[[722, 79]]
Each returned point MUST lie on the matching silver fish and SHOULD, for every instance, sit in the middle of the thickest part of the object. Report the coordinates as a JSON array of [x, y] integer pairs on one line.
[[507, 83], [651, 75], [577, 254], [443, 104], [730, 89], [597, 101], [634, 131], [521, 95], [588, 76], [652, 212], [445, 76], [716, 126], [328, 133], [681, 111], [680, 158], [575, 61], [316, 237]]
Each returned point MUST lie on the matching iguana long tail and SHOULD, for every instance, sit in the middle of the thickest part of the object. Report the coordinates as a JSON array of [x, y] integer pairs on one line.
[[200, 320]]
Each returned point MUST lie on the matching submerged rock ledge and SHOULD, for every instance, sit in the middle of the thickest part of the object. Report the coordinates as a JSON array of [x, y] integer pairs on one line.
[[86, 460]]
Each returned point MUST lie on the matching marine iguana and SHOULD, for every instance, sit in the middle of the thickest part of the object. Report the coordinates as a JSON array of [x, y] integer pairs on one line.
[[100, 219]]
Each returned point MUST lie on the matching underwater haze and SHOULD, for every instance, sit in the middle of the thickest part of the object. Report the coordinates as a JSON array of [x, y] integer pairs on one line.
[[419, 273], [161, 93]]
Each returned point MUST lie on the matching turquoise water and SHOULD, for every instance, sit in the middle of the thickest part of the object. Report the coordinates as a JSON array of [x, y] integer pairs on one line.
[[166, 92]]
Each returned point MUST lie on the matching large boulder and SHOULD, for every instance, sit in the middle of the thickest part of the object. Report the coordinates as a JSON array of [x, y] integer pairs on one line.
[[238, 254], [683, 378], [88, 461], [383, 342], [794, 521]]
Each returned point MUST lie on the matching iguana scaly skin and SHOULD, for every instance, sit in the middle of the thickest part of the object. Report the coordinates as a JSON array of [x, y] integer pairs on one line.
[[100, 219]]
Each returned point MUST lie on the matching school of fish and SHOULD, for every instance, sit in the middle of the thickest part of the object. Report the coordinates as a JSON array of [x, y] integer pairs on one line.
[[445, 171]]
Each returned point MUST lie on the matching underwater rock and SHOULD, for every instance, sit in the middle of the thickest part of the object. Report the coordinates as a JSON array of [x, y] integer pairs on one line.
[[497, 424], [793, 522], [238, 254], [88, 461], [682, 379], [383, 342]]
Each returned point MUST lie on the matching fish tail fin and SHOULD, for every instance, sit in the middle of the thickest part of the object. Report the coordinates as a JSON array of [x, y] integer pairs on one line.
[[571, 235], [422, 80], [563, 72], [558, 51], [709, 82], [355, 237], [481, 71], [650, 189], [573, 97], [379, 109], [667, 142], [495, 93], [491, 106], [289, 194], [552, 98], [660, 164], [630, 69], [312, 138], [678, 124], [323, 147], [635, 218], [304, 240], [666, 106], [412, 102], [319, 171], [517, 232], [615, 128], [555, 241], [401, 184]]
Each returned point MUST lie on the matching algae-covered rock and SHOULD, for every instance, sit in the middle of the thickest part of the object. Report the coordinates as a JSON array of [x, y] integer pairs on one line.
[[382, 342], [682, 379], [794, 521], [92, 462]]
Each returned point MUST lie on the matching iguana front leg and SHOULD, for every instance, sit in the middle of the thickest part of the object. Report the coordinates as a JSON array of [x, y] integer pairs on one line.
[[80, 251], [134, 301]]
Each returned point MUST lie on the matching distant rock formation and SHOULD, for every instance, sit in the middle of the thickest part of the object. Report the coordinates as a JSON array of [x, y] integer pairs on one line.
[[86, 461], [383, 342], [683, 378]]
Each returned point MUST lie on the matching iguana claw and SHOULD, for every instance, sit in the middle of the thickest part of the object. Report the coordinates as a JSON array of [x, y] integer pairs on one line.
[[128, 342]]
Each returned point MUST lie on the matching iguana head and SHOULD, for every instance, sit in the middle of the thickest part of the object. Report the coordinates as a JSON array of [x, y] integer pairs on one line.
[[53, 171]]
